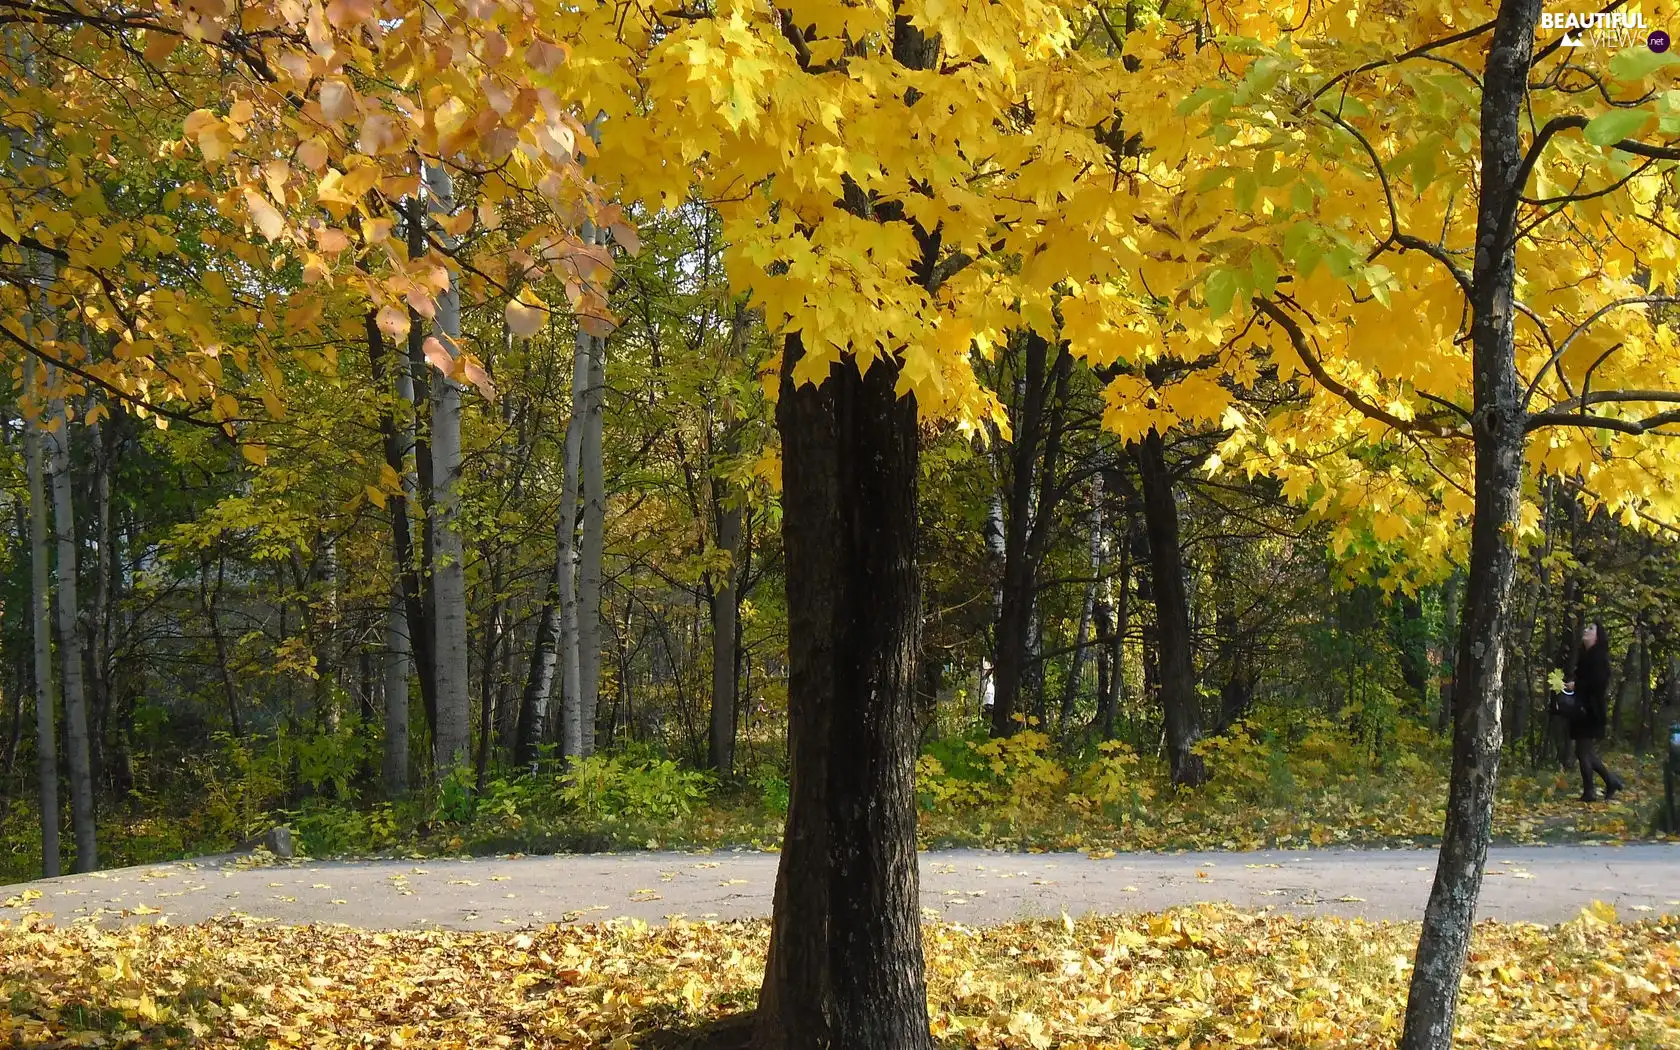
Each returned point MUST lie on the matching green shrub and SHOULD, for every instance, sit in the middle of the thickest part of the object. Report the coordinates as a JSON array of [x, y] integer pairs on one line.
[[624, 786]]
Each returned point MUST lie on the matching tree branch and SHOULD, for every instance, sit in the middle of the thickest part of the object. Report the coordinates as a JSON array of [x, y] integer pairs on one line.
[[1576, 332], [1298, 339]]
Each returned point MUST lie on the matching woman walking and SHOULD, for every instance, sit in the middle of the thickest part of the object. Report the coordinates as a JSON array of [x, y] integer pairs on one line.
[[1591, 717]]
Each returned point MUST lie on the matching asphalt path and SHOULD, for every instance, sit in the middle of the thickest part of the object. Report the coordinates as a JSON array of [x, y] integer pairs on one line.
[[1543, 884]]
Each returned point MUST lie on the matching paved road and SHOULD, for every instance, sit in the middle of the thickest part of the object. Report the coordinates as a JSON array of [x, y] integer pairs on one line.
[[1535, 884]]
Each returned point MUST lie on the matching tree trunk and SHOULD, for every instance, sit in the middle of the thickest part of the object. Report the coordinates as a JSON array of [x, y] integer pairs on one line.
[[394, 767], [452, 735], [46, 744], [210, 600], [70, 640], [1180, 705], [1498, 425], [592, 544], [845, 966], [1070, 689], [539, 681], [98, 622], [725, 638], [1014, 623], [422, 603], [407, 639], [1111, 698], [494, 639], [566, 557]]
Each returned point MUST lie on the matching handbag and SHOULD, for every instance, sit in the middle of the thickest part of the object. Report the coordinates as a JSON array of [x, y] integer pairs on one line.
[[1565, 704]]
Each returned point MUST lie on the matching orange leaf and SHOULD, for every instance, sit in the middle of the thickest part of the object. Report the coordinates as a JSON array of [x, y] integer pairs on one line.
[[438, 355], [475, 374]]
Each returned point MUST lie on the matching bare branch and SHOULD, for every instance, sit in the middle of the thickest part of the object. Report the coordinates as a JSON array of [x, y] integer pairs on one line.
[[1636, 427], [1416, 52]]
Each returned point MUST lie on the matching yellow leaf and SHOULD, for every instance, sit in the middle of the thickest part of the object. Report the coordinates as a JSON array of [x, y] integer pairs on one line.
[[257, 454]]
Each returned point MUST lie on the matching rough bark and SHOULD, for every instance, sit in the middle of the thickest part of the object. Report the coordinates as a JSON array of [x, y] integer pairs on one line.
[[40, 619], [845, 968], [452, 734], [1180, 705], [1498, 428]]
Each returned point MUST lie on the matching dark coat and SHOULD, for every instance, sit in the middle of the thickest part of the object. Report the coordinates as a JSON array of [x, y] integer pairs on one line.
[[1592, 689]]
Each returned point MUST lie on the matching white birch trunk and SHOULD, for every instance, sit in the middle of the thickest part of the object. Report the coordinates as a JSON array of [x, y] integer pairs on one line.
[[565, 562], [594, 514], [70, 639], [452, 741], [46, 743]]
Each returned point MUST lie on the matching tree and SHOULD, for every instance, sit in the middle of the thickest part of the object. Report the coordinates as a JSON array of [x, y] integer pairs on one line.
[[40, 622], [452, 733]]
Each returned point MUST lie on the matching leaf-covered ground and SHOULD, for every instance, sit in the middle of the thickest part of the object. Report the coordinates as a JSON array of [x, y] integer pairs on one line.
[[1194, 978]]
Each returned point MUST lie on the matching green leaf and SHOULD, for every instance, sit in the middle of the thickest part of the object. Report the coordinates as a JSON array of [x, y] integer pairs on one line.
[[1265, 269], [1221, 289], [1301, 197], [1244, 190], [1197, 99], [1212, 178], [1613, 125], [1637, 63]]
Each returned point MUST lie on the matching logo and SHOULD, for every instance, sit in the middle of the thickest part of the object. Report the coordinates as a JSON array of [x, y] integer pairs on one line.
[[1603, 29]]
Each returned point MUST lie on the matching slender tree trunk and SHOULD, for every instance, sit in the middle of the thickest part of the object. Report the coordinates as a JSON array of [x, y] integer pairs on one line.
[[725, 638], [209, 601], [1498, 429], [539, 681], [1015, 607], [1115, 694], [98, 622], [46, 743], [845, 967], [405, 646], [422, 607], [494, 639], [1070, 689], [394, 767], [70, 640], [1180, 705], [566, 558], [452, 736], [592, 545]]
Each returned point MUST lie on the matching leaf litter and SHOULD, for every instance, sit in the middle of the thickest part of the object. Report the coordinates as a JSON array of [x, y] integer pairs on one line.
[[1199, 978]]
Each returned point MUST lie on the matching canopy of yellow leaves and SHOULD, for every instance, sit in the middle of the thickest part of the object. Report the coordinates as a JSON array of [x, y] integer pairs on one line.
[[1196, 977]]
